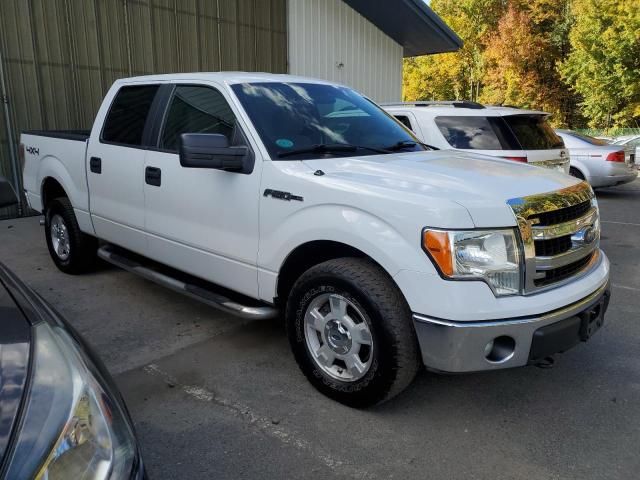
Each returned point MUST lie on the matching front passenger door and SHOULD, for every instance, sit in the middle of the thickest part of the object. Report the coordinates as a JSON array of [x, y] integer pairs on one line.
[[200, 220]]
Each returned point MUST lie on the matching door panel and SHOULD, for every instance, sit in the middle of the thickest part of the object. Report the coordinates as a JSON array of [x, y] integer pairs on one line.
[[115, 165], [202, 221]]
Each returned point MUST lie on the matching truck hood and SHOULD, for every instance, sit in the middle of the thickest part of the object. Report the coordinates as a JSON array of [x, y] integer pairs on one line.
[[479, 183]]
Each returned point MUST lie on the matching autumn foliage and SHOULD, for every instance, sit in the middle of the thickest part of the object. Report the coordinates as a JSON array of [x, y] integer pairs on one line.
[[578, 59]]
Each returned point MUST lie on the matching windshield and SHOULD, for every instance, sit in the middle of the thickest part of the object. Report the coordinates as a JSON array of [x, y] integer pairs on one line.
[[477, 133], [533, 132], [300, 116], [587, 138]]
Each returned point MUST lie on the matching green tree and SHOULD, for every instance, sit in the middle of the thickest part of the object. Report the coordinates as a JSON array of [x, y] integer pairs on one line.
[[603, 65], [453, 76]]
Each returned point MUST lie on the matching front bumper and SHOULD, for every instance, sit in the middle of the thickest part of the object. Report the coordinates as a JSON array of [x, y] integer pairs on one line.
[[456, 347]]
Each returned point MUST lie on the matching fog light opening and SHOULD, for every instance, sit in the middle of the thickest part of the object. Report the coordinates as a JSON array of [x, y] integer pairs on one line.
[[500, 349]]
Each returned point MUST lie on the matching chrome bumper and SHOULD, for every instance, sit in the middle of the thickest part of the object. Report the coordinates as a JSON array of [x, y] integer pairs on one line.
[[454, 347]]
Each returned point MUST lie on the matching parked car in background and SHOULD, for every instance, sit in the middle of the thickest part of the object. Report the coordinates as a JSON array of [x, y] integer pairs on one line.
[[514, 134], [62, 415], [630, 142], [267, 195], [597, 161]]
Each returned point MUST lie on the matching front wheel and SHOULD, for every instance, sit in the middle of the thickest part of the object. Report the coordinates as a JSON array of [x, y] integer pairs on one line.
[[71, 250], [351, 333]]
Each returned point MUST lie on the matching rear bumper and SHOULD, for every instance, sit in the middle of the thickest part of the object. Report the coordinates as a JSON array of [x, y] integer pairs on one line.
[[614, 178], [455, 347]]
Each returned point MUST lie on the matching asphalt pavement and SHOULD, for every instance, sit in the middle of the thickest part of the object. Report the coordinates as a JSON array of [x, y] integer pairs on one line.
[[217, 397]]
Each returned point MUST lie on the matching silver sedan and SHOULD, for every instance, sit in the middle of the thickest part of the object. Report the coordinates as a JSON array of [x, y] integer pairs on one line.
[[598, 162]]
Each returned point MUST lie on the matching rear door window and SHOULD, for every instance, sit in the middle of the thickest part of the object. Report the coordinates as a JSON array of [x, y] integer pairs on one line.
[[127, 117], [533, 132], [477, 133]]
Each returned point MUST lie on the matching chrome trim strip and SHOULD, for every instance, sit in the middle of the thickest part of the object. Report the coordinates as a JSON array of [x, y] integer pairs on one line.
[[573, 255], [553, 164], [567, 228]]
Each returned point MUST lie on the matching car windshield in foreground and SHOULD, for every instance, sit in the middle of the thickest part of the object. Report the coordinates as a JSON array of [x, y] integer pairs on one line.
[[309, 120]]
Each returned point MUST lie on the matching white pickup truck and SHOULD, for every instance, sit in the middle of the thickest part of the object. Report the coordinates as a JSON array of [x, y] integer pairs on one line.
[[266, 194]]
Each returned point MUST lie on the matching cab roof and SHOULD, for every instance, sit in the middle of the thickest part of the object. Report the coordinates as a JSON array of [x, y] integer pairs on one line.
[[229, 78]]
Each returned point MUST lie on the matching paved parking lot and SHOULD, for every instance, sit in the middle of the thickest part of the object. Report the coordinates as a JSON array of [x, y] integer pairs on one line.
[[217, 397]]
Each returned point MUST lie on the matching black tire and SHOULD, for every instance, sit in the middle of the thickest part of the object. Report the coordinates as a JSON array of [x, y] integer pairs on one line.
[[395, 357], [574, 172], [82, 247]]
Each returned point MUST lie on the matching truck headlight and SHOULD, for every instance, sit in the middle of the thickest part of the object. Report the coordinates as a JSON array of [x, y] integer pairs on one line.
[[73, 427], [489, 255]]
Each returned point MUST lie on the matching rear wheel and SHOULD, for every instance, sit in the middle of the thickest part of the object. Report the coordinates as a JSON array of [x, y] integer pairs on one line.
[[71, 250], [574, 172], [351, 333]]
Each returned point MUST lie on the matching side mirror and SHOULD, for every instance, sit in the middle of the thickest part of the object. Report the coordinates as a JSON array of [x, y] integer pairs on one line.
[[211, 150], [8, 197]]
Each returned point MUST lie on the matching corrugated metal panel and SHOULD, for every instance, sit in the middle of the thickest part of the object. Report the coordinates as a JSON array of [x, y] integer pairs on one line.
[[330, 40], [60, 56]]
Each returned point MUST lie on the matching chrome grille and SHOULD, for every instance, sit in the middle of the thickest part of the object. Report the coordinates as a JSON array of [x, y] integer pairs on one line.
[[561, 215], [560, 234]]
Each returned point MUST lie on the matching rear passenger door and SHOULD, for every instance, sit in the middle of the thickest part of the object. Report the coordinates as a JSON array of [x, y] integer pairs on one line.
[[115, 167], [200, 220]]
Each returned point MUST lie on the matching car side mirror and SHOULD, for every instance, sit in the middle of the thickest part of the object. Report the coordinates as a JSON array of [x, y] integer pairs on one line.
[[8, 197], [211, 150]]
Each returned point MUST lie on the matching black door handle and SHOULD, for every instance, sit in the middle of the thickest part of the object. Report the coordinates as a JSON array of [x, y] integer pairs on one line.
[[95, 165], [153, 176]]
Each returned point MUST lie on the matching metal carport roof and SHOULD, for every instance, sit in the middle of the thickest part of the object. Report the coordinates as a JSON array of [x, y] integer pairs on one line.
[[411, 23]]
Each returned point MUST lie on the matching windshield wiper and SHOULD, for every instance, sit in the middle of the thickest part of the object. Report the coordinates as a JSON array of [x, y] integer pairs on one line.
[[330, 148], [406, 144]]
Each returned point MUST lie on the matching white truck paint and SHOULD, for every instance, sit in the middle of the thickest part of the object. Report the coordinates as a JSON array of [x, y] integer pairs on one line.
[[250, 230]]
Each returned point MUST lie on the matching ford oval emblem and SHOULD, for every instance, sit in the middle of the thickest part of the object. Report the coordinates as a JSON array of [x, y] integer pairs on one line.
[[585, 236]]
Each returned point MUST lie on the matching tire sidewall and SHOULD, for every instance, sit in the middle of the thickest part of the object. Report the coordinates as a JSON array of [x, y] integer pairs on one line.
[[56, 209], [367, 390]]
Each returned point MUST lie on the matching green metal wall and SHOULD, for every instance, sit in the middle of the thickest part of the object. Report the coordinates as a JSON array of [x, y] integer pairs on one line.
[[61, 56]]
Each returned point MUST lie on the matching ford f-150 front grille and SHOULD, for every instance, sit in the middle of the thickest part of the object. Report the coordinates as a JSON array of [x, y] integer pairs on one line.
[[560, 234]]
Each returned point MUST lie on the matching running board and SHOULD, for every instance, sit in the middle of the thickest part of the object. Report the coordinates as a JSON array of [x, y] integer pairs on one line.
[[122, 258]]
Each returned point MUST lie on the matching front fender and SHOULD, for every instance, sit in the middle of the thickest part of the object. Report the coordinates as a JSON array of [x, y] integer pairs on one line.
[[372, 235]]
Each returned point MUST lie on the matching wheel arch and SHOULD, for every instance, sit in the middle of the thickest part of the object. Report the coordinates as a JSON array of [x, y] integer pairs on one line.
[[51, 188], [312, 253]]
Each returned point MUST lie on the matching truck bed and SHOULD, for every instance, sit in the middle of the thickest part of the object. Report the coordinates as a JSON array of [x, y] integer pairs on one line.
[[57, 155], [77, 135]]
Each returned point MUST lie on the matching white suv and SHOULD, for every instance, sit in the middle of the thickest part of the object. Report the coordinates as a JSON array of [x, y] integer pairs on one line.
[[506, 132]]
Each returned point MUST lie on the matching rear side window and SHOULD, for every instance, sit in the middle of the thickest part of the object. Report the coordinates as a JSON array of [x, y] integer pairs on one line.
[[197, 109], [533, 132], [477, 133], [403, 119], [127, 116]]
